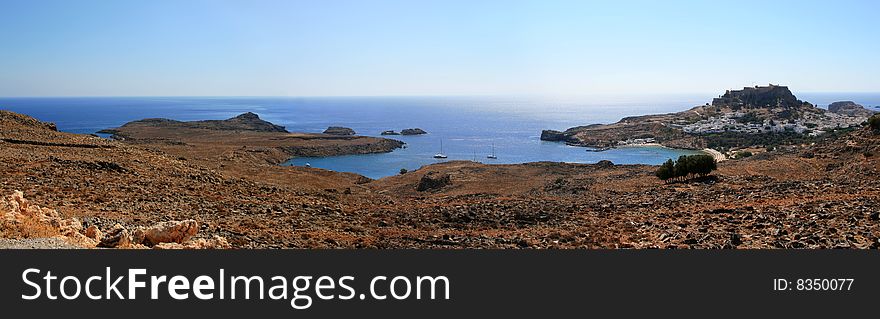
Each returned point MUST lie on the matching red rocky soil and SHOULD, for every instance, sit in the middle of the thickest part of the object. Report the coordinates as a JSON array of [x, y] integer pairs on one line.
[[821, 196]]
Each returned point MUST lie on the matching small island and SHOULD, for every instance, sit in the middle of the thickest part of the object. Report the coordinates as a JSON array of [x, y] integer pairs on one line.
[[406, 131], [413, 131], [339, 130]]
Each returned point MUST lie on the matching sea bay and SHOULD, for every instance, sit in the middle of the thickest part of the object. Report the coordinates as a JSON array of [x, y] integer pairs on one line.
[[467, 127]]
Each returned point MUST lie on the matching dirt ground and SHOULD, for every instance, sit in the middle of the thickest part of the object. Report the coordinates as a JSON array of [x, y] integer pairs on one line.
[[820, 196]]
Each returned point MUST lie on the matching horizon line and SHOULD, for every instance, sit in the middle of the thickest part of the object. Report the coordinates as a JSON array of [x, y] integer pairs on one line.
[[406, 95]]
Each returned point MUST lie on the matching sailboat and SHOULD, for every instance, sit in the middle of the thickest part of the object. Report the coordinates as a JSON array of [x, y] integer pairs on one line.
[[492, 156], [440, 155]]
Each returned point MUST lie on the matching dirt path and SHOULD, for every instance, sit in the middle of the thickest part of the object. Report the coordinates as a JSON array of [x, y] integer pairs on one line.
[[36, 243]]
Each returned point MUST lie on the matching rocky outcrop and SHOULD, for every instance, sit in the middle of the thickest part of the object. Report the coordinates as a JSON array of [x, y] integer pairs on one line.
[[604, 164], [758, 97], [553, 136], [116, 237], [215, 242], [433, 181], [390, 132], [22, 219], [169, 232], [339, 130], [94, 233], [413, 131], [164, 235], [849, 108]]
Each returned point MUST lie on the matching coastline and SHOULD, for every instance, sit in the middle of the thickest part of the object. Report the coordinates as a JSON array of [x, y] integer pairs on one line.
[[646, 145], [718, 156]]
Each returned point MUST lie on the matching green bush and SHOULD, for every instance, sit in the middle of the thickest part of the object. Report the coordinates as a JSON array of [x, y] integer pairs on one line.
[[403, 171], [743, 154], [687, 167], [874, 122]]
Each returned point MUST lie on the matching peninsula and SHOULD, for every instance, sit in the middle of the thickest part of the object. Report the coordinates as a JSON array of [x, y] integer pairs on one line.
[[759, 116], [245, 136]]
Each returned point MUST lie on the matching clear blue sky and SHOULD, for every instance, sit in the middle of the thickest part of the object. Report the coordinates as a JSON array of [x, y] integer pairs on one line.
[[448, 47]]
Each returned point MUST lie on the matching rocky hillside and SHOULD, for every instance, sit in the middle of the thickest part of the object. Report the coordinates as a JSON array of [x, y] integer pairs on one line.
[[102, 183], [849, 108]]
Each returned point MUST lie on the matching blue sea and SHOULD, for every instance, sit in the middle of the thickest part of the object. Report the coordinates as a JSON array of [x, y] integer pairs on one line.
[[467, 127]]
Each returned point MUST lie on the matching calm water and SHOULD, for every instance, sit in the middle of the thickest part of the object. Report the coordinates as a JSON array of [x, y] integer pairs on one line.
[[467, 126]]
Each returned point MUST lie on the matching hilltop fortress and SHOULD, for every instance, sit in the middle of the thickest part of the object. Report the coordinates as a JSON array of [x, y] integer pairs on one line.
[[758, 97]]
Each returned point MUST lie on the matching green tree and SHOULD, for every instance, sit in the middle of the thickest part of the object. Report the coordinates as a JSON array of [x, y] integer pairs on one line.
[[681, 168], [702, 165], [686, 167], [874, 122], [667, 170]]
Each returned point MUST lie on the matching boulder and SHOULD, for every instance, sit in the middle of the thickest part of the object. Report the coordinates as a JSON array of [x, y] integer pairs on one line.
[[94, 233], [216, 242], [413, 131], [116, 237], [605, 164], [169, 232], [433, 181], [137, 235], [339, 130]]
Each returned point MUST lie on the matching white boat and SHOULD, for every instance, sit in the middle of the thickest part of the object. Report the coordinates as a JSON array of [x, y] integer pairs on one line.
[[492, 156], [440, 155]]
